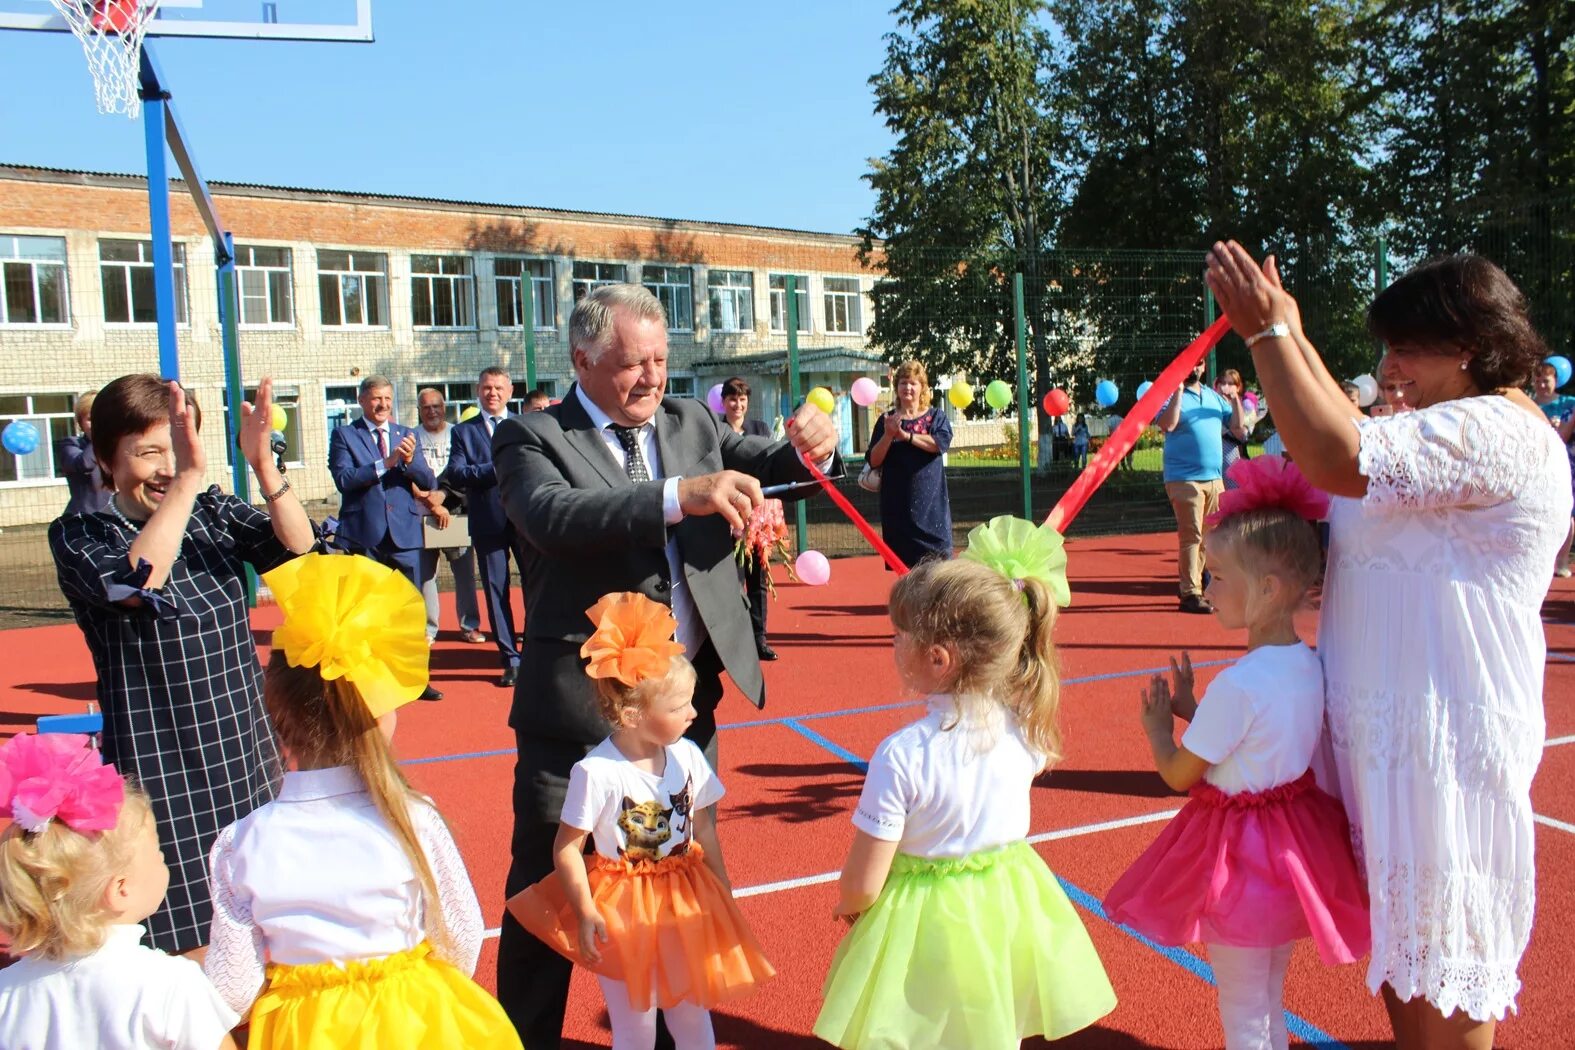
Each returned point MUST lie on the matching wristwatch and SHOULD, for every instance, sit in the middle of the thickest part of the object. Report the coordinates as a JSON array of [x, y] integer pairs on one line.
[[1277, 330]]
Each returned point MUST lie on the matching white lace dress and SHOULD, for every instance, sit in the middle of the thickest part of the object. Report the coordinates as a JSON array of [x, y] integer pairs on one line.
[[1433, 653]]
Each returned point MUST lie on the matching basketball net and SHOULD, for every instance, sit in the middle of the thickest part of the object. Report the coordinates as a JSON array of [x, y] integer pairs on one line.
[[111, 35]]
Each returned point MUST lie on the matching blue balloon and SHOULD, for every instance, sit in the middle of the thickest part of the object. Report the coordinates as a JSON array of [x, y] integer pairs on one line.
[[1106, 393], [1143, 388], [1561, 369], [19, 437]]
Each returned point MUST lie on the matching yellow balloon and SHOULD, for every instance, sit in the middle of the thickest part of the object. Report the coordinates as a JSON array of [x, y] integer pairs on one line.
[[470, 413], [960, 395], [822, 399], [279, 419]]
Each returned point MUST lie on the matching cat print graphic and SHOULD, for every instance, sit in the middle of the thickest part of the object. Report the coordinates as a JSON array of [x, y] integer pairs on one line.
[[648, 826]]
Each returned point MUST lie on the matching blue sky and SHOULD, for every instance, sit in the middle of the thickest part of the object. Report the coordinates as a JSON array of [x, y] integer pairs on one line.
[[735, 112]]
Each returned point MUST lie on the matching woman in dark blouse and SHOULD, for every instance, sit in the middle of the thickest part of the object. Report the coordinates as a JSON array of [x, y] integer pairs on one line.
[[158, 584], [907, 446], [735, 401]]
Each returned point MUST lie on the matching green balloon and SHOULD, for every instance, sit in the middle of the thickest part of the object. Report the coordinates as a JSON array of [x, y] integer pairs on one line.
[[997, 395]]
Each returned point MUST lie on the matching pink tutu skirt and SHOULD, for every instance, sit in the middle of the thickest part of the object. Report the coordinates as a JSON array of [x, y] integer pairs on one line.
[[1251, 870]]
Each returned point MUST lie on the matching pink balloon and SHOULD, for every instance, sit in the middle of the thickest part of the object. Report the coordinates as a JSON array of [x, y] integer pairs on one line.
[[713, 398], [865, 391], [813, 568]]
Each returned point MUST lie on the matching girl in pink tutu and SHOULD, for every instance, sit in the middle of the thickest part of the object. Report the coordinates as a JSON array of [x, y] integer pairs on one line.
[[1260, 856]]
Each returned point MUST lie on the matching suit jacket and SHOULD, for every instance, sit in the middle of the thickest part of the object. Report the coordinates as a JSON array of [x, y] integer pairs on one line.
[[84, 480], [756, 428], [589, 531], [470, 468], [374, 507]]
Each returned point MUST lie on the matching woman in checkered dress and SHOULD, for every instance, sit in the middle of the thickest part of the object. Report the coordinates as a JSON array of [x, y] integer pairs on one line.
[[157, 582]]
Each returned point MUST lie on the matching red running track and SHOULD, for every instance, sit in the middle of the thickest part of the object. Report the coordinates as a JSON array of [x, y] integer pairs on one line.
[[792, 780]]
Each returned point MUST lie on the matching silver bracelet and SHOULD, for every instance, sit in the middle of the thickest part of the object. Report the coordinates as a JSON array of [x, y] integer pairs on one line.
[[270, 497]]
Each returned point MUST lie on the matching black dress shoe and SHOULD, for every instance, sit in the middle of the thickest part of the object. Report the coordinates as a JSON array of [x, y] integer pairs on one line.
[[766, 652], [510, 676], [1196, 603], [430, 694]]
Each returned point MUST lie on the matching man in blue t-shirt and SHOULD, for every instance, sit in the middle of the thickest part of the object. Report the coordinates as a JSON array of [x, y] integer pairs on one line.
[[1194, 423]]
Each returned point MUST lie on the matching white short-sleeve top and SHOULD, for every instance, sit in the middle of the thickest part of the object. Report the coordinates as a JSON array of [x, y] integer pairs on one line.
[[1260, 720], [635, 815]]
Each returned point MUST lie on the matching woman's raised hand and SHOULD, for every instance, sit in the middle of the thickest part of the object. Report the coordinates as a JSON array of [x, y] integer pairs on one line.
[[1250, 297], [893, 425], [257, 425], [191, 460]]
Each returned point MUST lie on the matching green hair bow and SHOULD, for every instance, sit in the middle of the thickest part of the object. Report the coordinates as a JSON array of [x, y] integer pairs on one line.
[[1021, 550]]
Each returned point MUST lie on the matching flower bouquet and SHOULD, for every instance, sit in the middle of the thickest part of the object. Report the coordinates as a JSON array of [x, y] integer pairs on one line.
[[764, 533]]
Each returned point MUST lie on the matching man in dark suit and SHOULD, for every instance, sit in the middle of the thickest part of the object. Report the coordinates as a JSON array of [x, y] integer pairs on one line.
[[491, 532], [619, 489], [374, 461], [74, 458]]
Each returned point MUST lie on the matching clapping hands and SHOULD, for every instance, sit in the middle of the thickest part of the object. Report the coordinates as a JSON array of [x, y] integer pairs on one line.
[[1164, 700]]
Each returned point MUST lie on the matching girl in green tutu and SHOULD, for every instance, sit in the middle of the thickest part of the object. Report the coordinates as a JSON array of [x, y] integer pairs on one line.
[[961, 936]]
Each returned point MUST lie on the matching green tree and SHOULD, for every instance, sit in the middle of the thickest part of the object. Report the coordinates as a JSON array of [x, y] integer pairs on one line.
[[969, 193]]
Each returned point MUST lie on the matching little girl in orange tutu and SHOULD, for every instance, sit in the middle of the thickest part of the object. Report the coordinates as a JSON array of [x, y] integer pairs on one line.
[[1259, 857], [651, 912]]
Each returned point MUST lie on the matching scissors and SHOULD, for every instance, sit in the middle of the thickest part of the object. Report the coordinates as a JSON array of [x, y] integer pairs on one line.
[[794, 486]]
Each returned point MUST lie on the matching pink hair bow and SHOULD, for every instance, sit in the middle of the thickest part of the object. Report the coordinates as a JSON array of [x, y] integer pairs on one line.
[[1270, 481], [43, 777]]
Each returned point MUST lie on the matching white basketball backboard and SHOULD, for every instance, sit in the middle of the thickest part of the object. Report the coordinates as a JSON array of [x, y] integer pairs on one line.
[[344, 20]]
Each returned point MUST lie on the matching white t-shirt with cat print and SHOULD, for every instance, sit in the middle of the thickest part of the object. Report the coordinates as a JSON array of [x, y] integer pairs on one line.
[[635, 815]]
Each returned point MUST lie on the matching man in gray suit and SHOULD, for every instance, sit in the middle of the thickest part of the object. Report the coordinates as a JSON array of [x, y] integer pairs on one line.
[[619, 489]]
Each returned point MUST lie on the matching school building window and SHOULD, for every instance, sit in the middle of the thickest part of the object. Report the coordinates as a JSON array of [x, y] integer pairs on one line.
[[589, 275], [286, 397], [340, 406], [442, 291], [266, 286], [732, 300], [842, 304], [460, 395], [509, 273], [680, 385], [673, 286], [127, 271], [33, 290], [777, 285], [51, 415], [353, 287]]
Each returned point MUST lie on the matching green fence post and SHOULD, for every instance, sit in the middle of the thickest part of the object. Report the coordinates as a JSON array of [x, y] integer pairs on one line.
[[1210, 312], [235, 392], [528, 319], [800, 515], [1381, 266], [1025, 411]]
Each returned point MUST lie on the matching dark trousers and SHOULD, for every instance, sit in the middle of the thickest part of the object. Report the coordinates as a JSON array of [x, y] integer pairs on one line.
[[533, 980], [493, 562], [406, 561], [755, 591]]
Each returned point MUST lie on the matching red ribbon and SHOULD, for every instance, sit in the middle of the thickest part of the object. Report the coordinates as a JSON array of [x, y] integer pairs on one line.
[[892, 561], [1120, 442]]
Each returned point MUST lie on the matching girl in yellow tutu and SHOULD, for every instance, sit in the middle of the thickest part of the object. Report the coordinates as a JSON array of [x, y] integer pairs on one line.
[[961, 937], [343, 915], [651, 912]]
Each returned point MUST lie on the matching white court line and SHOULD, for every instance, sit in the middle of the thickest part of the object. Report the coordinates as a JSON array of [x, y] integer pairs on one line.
[[1557, 740], [1550, 822], [1045, 836]]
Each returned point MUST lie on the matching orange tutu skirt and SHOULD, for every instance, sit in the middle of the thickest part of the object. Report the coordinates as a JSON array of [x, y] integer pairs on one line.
[[674, 933]]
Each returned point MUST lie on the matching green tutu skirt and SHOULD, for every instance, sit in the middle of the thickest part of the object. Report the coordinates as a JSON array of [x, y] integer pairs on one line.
[[975, 953]]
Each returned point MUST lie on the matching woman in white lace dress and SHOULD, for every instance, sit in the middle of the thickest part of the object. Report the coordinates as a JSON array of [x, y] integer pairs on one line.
[[1441, 552]]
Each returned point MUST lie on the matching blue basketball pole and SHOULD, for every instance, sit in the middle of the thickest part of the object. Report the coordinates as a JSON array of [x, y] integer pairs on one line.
[[154, 101]]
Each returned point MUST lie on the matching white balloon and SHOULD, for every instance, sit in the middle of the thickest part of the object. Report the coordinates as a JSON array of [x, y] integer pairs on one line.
[[1366, 389]]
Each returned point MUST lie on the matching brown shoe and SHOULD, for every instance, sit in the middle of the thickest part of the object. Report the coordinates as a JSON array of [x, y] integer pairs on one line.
[[474, 637]]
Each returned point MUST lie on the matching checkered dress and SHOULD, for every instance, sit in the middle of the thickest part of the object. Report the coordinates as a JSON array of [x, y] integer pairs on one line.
[[179, 682]]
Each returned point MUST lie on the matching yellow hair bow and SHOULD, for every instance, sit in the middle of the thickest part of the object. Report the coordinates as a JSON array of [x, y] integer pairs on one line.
[[633, 640], [354, 619]]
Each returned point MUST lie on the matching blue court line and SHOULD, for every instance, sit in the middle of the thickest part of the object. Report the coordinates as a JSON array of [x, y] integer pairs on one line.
[[794, 721], [836, 749]]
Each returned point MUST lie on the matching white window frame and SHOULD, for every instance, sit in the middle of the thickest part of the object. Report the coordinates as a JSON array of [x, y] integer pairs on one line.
[[13, 256], [53, 424], [843, 308], [687, 385], [334, 418], [128, 269], [731, 292], [278, 287], [452, 284], [589, 274], [674, 287], [357, 268], [776, 285], [543, 291]]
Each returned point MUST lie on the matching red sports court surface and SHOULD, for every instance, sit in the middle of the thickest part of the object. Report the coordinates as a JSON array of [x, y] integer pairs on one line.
[[792, 775]]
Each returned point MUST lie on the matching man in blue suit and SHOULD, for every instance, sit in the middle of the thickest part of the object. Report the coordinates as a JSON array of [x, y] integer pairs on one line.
[[491, 533], [374, 461]]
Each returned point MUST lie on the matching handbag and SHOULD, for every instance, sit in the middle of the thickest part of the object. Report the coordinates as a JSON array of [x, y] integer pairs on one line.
[[869, 478]]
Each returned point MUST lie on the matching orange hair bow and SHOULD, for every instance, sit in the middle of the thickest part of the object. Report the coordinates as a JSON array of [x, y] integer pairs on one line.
[[633, 640]]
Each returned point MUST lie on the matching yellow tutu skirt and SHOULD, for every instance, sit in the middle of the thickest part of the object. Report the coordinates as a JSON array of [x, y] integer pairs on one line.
[[406, 1001], [674, 933]]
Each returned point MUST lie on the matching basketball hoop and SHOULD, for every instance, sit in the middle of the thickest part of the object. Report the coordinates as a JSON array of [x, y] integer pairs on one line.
[[111, 35]]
